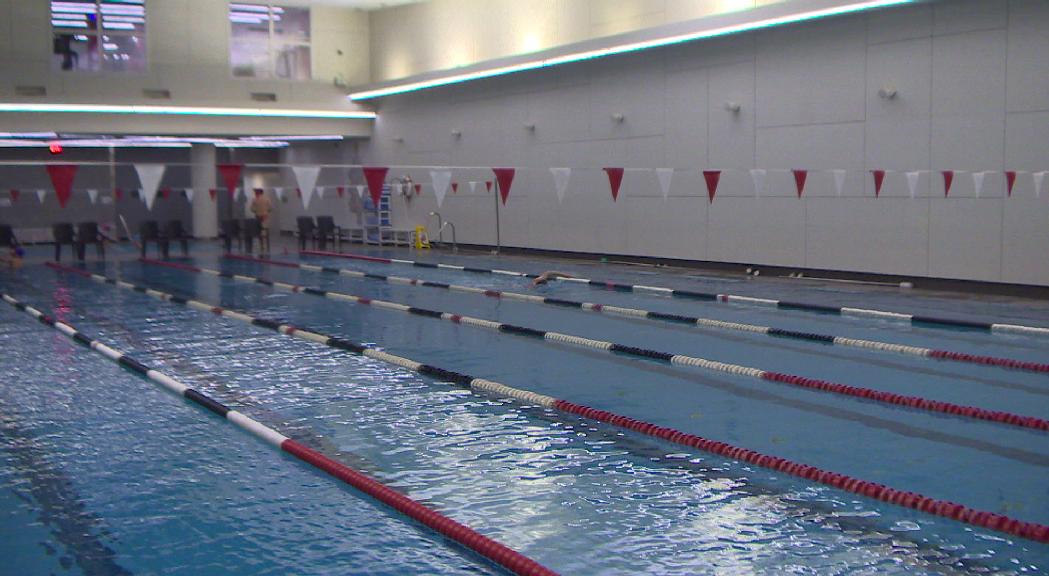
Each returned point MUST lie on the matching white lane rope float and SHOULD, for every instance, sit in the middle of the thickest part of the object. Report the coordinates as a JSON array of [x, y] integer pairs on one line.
[[919, 320], [502, 555], [867, 489], [913, 402], [875, 345]]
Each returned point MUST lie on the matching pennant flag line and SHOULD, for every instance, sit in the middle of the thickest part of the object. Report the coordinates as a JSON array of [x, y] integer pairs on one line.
[[978, 178], [799, 180], [948, 179], [14, 195], [418, 189], [189, 194], [839, 181], [40, 193], [664, 175], [561, 177], [150, 175], [440, 179], [912, 182], [1010, 181], [212, 192], [615, 180], [1038, 178], [62, 181], [119, 194], [473, 186], [231, 176], [712, 177], [879, 179], [505, 176], [360, 191], [341, 190], [375, 176], [488, 186], [306, 178], [455, 187]]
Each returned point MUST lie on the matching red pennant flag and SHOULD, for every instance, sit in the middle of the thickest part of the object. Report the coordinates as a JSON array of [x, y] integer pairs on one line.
[[62, 180], [615, 180], [118, 193], [259, 192], [505, 176], [165, 192], [375, 176], [455, 187], [298, 192], [799, 180], [1010, 181], [948, 178], [231, 175], [712, 177], [488, 186], [418, 189], [340, 190], [14, 195], [212, 192], [879, 178]]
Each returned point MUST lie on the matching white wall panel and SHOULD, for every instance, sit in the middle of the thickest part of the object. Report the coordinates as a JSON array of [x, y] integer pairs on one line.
[[1028, 65]]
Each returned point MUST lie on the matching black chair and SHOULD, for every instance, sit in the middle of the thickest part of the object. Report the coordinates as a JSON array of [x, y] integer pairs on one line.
[[326, 229], [88, 233], [307, 229], [149, 231], [231, 229], [7, 236], [63, 234], [173, 231], [252, 231]]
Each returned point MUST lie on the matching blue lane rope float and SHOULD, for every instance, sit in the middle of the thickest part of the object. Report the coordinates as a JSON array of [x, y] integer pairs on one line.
[[872, 490], [1008, 363], [915, 319], [914, 402], [500, 554]]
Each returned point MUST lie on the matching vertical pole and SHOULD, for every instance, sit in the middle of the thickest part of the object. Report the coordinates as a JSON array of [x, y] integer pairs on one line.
[[112, 187], [498, 239], [202, 175]]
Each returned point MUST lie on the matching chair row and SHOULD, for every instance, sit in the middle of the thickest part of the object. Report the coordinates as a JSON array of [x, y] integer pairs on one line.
[[78, 237], [323, 230], [245, 232], [149, 231]]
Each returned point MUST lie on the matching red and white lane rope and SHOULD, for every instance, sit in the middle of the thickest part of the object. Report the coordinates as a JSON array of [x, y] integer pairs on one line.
[[875, 345], [872, 490], [443, 525], [928, 321], [914, 402]]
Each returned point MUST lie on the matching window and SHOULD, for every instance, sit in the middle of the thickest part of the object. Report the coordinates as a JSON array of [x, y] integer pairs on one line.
[[268, 41], [99, 35]]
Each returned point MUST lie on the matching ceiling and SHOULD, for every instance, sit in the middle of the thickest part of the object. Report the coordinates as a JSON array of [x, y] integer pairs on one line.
[[362, 4]]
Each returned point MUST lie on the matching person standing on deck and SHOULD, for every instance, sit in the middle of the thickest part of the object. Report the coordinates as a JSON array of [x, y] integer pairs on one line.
[[262, 208]]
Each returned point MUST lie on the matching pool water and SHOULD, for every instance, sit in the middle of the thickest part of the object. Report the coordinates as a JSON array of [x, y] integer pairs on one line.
[[106, 474]]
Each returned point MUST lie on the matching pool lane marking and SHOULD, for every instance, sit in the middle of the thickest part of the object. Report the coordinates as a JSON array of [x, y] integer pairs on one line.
[[914, 402], [920, 320], [443, 525], [1008, 363], [867, 489]]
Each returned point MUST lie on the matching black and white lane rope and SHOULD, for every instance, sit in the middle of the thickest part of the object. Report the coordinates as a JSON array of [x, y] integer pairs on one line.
[[492, 550], [873, 490], [914, 402], [875, 345], [921, 320]]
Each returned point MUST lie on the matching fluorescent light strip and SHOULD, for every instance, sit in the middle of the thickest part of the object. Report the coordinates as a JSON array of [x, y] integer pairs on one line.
[[183, 111], [623, 48], [325, 137]]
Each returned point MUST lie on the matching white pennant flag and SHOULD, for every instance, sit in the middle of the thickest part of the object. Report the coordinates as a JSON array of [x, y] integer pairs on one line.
[[441, 179], [473, 186], [1038, 177], [664, 175], [978, 182], [40, 195], [189, 194], [279, 193], [360, 190], [92, 194], [839, 181], [561, 177], [758, 176], [150, 176], [306, 177], [912, 182]]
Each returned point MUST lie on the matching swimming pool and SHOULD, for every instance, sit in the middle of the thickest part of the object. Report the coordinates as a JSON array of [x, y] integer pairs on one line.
[[107, 474]]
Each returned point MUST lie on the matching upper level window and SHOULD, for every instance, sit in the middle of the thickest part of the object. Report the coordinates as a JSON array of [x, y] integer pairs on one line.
[[99, 35], [269, 41]]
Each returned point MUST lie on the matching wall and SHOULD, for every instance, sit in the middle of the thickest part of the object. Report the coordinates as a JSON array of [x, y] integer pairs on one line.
[[973, 94], [188, 55], [439, 34]]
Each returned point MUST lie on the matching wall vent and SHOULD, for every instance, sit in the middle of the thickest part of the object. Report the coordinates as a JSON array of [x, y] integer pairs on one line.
[[264, 96], [156, 93], [30, 91]]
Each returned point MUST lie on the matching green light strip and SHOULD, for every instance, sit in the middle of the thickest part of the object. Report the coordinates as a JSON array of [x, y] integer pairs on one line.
[[183, 111], [624, 48]]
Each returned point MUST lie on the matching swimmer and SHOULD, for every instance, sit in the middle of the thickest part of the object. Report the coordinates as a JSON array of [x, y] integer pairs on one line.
[[548, 276], [17, 254]]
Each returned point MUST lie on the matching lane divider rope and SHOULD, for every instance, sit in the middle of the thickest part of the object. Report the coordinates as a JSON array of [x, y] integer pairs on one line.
[[867, 489], [1008, 363], [914, 402], [443, 525], [921, 320]]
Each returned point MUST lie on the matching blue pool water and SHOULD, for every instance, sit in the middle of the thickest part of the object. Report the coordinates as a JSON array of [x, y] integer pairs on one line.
[[106, 474]]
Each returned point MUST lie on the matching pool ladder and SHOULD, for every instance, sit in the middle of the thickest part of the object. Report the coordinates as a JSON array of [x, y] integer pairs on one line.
[[441, 225]]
